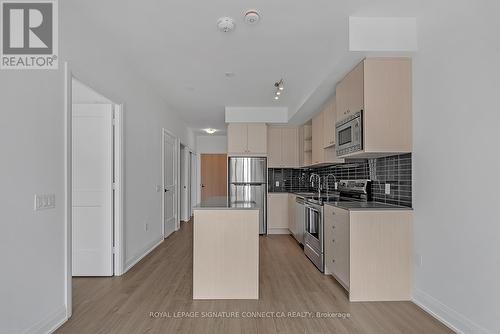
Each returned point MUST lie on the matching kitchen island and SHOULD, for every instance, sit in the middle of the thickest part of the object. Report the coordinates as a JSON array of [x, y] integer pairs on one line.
[[225, 250]]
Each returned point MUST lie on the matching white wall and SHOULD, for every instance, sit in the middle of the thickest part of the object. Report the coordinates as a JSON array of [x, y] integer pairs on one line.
[[97, 62], [81, 93], [457, 161], [32, 144], [31, 243], [211, 144]]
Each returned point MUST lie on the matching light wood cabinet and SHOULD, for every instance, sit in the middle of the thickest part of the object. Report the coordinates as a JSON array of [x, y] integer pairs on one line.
[[317, 139], [274, 150], [320, 154], [337, 244], [369, 252], [237, 138], [290, 147], [329, 116], [381, 88], [277, 213], [257, 138], [292, 222], [350, 93], [283, 147], [243, 138]]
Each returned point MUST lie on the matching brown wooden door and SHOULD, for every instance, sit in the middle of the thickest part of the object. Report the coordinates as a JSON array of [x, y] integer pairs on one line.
[[213, 175]]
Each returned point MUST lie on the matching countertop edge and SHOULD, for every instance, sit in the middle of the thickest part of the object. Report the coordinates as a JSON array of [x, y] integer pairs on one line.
[[389, 207], [222, 208]]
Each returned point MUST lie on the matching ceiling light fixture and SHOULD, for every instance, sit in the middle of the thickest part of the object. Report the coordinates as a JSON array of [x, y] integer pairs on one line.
[[210, 131], [279, 88]]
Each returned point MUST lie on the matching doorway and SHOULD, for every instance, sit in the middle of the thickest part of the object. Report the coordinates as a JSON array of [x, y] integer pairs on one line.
[[170, 168], [95, 183], [213, 175]]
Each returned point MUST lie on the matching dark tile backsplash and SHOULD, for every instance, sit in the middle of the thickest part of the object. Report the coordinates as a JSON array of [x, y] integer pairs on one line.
[[395, 170]]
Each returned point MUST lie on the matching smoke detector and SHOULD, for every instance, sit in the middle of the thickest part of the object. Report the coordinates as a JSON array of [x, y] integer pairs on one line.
[[225, 24], [252, 17]]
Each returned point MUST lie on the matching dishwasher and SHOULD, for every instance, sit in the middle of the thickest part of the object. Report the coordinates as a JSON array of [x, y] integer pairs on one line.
[[300, 219]]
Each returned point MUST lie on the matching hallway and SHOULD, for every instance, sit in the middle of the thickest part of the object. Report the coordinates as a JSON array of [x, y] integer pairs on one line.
[[162, 282]]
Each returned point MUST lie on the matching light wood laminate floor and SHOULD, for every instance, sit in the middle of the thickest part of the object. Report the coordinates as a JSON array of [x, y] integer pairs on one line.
[[289, 282]]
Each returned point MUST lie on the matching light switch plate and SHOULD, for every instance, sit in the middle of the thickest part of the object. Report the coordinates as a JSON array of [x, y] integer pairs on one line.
[[418, 260], [45, 201], [387, 188], [277, 183]]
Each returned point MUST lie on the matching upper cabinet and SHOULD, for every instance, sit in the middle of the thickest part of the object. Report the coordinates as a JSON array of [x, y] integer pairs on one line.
[[329, 118], [322, 155], [381, 89], [247, 138], [317, 139], [283, 147], [349, 93]]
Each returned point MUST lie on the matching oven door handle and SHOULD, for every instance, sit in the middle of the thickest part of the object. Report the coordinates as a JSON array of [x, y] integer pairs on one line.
[[312, 208]]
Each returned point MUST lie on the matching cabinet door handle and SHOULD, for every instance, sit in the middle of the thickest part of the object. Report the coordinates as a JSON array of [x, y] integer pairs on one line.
[[333, 226], [333, 240], [333, 260]]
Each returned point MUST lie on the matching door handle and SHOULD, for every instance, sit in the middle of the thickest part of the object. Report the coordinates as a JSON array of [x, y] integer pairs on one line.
[[166, 190]]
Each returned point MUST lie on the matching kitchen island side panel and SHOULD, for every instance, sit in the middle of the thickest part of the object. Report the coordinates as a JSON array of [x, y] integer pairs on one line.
[[226, 254]]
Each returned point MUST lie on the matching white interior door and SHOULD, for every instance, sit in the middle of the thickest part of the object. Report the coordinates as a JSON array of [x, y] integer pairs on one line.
[[92, 159], [169, 184]]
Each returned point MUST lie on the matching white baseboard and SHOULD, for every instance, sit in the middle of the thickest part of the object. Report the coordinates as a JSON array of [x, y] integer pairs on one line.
[[448, 316], [278, 231], [140, 255], [50, 323]]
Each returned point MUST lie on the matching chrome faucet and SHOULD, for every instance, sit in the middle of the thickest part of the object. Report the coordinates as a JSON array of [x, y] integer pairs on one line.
[[319, 182], [327, 185]]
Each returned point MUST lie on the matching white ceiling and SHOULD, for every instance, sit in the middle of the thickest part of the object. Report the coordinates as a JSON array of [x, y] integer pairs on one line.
[[176, 47]]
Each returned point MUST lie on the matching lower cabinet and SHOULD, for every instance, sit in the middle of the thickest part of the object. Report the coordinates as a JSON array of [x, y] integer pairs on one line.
[[292, 223], [277, 213], [369, 252], [337, 244]]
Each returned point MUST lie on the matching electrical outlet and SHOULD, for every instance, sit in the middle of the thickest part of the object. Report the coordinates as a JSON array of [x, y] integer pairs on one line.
[[277, 183], [387, 188], [44, 201], [336, 185]]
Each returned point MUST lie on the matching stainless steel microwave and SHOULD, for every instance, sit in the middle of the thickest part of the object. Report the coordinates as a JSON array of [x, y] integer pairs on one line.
[[349, 134]]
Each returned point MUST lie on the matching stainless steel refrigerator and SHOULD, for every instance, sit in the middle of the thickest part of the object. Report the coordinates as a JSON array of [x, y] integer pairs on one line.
[[248, 183]]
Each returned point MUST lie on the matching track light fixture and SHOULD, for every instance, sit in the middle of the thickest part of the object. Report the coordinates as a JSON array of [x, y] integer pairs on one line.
[[279, 89]]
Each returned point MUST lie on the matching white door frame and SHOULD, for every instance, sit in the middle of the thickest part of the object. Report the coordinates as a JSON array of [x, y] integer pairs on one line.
[[119, 250], [164, 134]]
